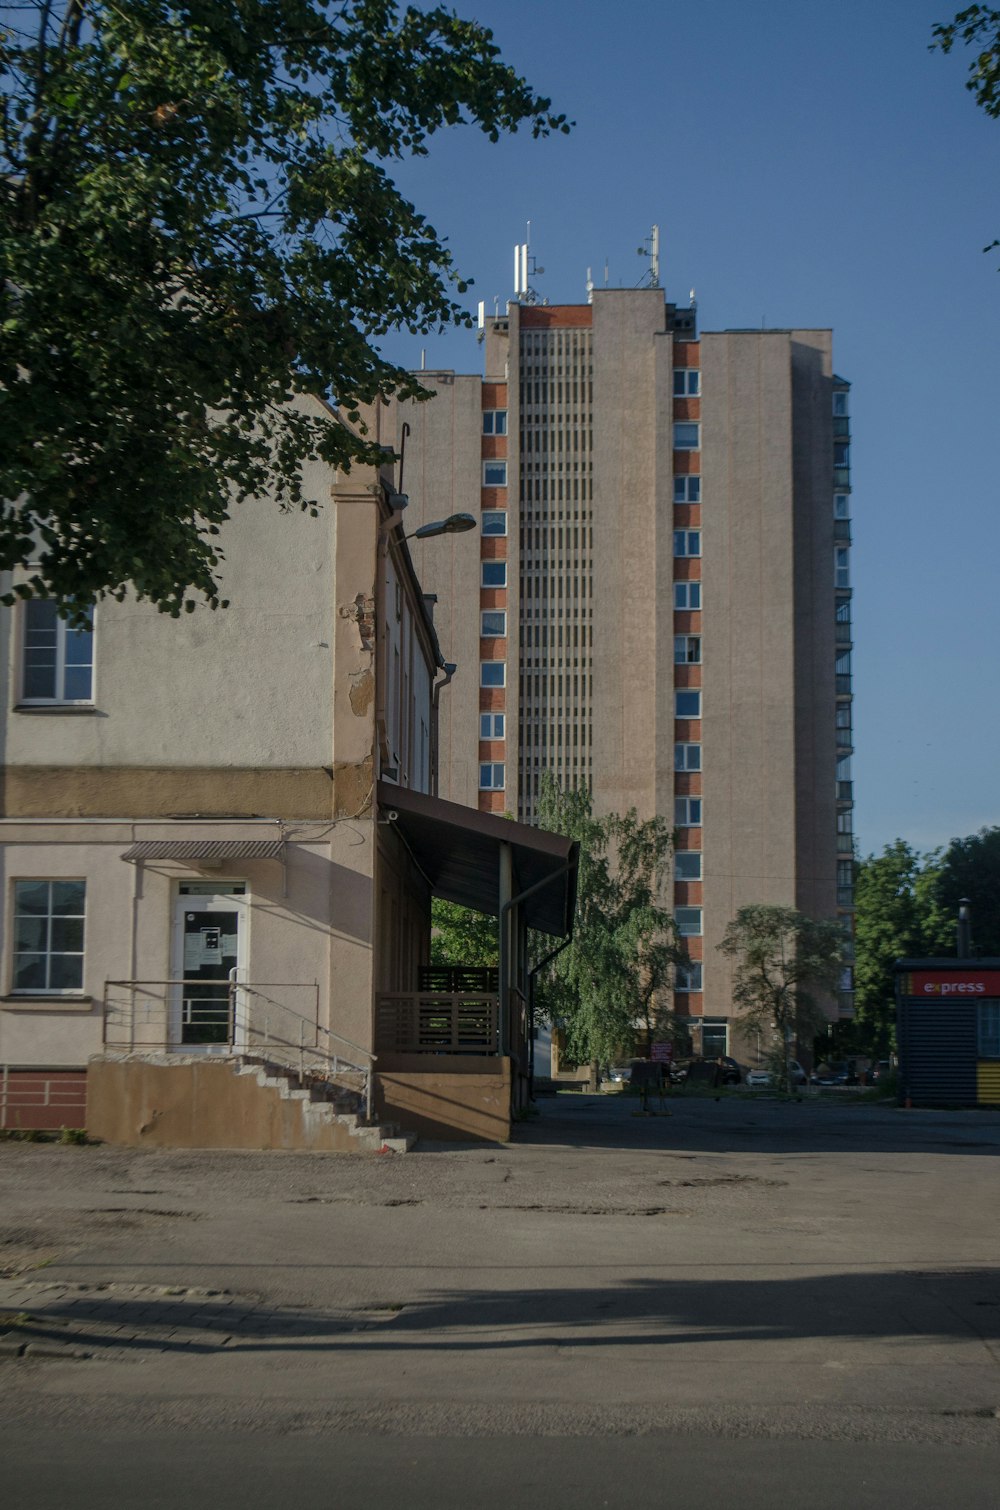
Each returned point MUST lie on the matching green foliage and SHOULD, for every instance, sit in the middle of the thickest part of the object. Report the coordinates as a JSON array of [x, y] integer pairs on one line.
[[898, 917], [977, 26], [198, 240], [463, 937], [780, 958], [611, 978], [970, 868], [907, 907]]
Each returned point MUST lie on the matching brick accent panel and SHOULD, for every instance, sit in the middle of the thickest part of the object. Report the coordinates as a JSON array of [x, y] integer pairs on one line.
[[492, 699], [492, 650], [687, 353], [552, 316], [492, 802], [493, 548], [494, 395], [687, 676], [687, 463], [687, 894], [688, 621], [494, 446], [687, 408], [686, 783], [687, 516], [687, 568], [43, 1099]]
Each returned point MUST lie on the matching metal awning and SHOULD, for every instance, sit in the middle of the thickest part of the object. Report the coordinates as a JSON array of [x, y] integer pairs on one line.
[[202, 851], [458, 850]]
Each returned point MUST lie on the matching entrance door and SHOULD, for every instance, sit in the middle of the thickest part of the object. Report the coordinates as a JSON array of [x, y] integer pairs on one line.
[[209, 958]]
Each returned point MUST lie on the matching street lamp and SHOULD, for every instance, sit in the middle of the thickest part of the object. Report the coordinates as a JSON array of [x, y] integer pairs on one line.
[[455, 524]]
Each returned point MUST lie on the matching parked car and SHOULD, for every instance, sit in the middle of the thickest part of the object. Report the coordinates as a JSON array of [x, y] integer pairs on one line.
[[839, 1073], [763, 1077], [879, 1071], [721, 1070], [619, 1074]]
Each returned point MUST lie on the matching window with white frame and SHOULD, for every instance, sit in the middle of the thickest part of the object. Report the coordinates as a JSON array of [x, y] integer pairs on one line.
[[688, 977], [687, 382], [493, 623], [841, 454], [48, 921], [840, 404], [494, 522], [687, 436], [688, 920], [494, 474], [687, 542], [687, 702], [841, 566], [494, 422], [491, 777], [491, 725], [687, 812], [687, 865], [57, 657], [493, 573], [989, 1029], [687, 489], [687, 596], [492, 673], [687, 649], [687, 757], [841, 505]]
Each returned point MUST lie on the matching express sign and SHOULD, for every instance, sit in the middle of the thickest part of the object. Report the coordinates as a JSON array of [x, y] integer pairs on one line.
[[931, 983]]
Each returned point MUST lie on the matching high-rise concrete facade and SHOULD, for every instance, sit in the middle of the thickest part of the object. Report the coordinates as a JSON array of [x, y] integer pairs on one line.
[[658, 605]]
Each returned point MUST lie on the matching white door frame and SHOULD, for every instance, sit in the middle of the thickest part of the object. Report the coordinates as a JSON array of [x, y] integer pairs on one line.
[[208, 903]]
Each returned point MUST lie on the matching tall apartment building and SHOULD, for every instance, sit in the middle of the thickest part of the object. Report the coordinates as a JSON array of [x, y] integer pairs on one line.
[[661, 605]]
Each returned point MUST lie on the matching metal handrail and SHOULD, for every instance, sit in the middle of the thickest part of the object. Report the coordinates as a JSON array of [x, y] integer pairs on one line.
[[335, 1063]]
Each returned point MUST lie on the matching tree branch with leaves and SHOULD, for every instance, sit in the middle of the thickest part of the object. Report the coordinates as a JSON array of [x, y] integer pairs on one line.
[[197, 231]]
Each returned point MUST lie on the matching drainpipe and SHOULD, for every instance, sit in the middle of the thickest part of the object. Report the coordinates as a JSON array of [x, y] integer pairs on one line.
[[449, 668]]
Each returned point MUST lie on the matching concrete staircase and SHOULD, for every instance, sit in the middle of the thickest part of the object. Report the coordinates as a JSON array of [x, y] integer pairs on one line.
[[324, 1103]]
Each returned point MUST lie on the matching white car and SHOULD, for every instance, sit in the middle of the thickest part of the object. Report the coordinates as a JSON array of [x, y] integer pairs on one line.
[[764, 1077]]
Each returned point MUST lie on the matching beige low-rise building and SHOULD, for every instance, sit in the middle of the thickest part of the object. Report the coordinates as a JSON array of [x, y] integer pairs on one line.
[[206, 855]]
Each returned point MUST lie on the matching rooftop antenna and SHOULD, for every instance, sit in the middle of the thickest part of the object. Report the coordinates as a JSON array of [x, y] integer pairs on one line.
[[651, 248], [590, 286], [525, 268], [481, 322], [607, 273]]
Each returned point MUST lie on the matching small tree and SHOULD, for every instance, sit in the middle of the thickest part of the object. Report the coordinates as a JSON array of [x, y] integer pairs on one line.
[[780, 957], [625, 943]]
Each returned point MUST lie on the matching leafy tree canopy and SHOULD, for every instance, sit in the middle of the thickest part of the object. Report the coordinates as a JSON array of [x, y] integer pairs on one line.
[[198, 229], [781, 957], [611, 977], [463, 937], [898, 916], [970, 867]]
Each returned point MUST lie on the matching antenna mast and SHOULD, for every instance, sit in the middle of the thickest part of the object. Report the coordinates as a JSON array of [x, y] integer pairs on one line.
[[651, 248], [525, 268]]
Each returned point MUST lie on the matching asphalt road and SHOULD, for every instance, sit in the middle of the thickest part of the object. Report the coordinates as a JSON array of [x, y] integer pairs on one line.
[[495, 1473], [744, 1298]]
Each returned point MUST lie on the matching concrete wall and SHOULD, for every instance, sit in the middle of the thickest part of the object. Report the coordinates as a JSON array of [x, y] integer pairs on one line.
[[310, 927], [200, 1105], [461, 1098], [227, 672], [632, 506], [443, 475]]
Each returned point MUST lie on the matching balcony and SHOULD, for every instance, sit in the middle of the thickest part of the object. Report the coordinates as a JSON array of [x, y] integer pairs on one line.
[[437, 1022], [845, 791], [842, 632], [843, 684], [845, 896], [842, 477], [845, 844], [842, 531], [841, 426]]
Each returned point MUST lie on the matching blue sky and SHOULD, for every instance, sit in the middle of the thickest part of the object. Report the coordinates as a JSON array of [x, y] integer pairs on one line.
[[815, 165]]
